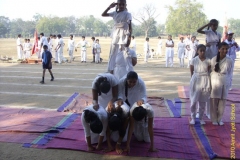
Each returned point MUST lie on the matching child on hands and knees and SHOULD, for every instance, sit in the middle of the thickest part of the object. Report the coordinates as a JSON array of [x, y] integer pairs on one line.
[[200, 83], [132, 90], [46, 63], [95, 125], [118, 118], [220, 81]]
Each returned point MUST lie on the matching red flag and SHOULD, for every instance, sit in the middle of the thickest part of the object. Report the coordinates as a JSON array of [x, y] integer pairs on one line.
[[225, 29], [35, 46]]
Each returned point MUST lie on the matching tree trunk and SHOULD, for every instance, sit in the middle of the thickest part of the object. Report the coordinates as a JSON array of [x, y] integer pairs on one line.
[[146, 33]]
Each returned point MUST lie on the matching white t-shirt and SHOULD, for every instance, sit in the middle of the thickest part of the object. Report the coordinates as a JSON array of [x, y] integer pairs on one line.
[[83, 45], [43, 40], [148, 107], [71, 44], [212, 37], [60, 42], [102, 115], [18, 41], [146, 46], [125, 109], [120, 17], [137, 92], [97, 47]]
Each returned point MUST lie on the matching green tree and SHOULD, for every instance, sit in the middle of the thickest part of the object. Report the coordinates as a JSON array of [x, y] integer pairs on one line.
[[185, 17], [3, 30], [234, 26]]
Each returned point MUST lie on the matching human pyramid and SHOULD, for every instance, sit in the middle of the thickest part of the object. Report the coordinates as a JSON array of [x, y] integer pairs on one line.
[[119, 105]]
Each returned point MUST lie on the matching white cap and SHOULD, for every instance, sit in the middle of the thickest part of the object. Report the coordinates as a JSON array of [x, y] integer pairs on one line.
[[230, 32]]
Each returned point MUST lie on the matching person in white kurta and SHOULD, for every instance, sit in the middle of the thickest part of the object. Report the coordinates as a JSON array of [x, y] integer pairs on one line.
[[43, 41], [169, 51], [117, 125], [212, 38], [59, 49], [220, 82], [83, 45], [159, 47], [19, 47], [200, 86], [97, 50], [125, 61], [233, 48], [181, 51], [192, 48], [133, 44], [121, 30], [71, 46], [105, 98], [28, 49], [24, 49], [146, 49], [94, 137]]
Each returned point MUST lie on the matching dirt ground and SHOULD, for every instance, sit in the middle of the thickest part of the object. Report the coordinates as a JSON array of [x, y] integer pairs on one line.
[[20, 87]]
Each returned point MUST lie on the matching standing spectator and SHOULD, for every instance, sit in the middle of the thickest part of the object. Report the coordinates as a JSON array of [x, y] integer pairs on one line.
[[192, 48], [181, 49], [70, 49], [159, 47], [146, 50], [93, 49], [169, 51], [83, 44], [98, 51], [43, 41], [59, 49], [19, 47]]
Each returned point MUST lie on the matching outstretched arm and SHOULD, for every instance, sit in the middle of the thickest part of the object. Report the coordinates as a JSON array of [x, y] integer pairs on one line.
[[105, 14], [130, 132], [150, 131]]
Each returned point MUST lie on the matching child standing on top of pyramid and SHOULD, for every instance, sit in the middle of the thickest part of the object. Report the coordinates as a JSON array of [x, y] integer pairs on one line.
[[122, 29]]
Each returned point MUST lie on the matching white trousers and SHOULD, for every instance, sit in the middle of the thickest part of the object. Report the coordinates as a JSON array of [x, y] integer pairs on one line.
[[112, 57], [56, 56], [217, 107], [146, 55], [60, 56], [97, 57], [19, 52], [181, 61], [28, 54], [83, 55], [194, 109], [169, 61], [70, 53]]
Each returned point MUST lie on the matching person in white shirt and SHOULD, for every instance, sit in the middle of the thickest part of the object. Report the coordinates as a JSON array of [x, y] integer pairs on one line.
[[43, 41], [19, 47], [181, 51], [95, 125], [133, 44], [146, 50], [192, 48], [59, 48], [50, 43], [70, 49], [159, 47], [28, 49], [83, 45], [104, 90], [233, 48], [169, 51], [54, 46], [187, 41], [97, 50], [117, 126]]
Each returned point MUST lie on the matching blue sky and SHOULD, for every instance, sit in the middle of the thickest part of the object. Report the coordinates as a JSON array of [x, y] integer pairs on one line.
[[25, 9]]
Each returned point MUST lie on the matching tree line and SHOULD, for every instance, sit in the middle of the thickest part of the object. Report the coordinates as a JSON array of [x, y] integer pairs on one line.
[[183, 18]]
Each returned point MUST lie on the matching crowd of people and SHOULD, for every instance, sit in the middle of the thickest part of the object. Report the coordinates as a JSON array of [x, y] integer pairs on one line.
[[119, 103]]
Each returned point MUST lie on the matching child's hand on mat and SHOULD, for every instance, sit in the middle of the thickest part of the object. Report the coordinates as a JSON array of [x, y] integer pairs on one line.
[[91, 148], [119, 149], [99, 147], [127, 149], [109, 149], [152, 149]]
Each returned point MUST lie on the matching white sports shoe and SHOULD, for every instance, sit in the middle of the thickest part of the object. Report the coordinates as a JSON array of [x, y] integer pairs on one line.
[[192, 121], [215, 123], [197, 115], [202, 122], [221, 123], [230, 89], [208, 116]]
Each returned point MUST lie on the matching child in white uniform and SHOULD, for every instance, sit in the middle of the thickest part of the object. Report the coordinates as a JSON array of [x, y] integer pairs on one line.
[[181, 51], [200, 83], [118, 117], [146, 50], [43, 41], [220, 81], [233, 48], [28, 49], [159, 47], [169, 51], [95, 125], [71, 48], [104, 90], [141, 123], [192, 48], [131, 89], [133, 44], [59, 49], [83, 45], [19, 47], [98, 51], [213, 38], [121, 31]]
